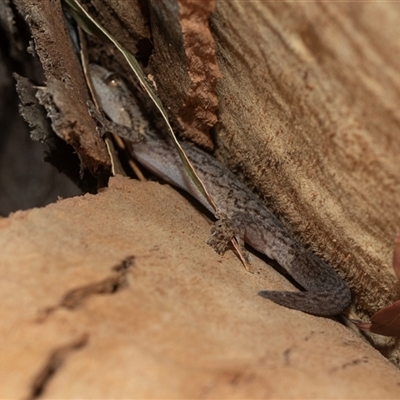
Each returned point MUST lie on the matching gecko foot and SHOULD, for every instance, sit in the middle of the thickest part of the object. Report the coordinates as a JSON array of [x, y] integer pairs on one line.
[[222, 232], [321, 304]]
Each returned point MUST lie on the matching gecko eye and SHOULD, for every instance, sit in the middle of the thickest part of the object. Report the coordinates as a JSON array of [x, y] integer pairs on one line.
[[113, 80]]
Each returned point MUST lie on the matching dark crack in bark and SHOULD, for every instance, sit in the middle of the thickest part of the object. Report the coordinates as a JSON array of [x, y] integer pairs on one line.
[[74, 298], [54, 362]]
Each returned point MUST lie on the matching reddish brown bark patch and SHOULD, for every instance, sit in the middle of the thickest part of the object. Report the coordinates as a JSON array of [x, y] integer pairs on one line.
[[198, 113]]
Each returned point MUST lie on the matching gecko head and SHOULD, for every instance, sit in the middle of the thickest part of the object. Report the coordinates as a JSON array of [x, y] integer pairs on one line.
[[112, 94]]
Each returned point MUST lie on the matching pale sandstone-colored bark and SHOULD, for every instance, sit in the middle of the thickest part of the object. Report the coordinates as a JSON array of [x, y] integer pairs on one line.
[[188, 323]]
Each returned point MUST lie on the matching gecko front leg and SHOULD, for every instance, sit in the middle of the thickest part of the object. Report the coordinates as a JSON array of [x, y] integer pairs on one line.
[[223, 230]]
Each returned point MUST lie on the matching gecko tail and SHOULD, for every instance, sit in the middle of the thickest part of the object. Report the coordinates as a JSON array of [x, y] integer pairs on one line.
[[322, 304]]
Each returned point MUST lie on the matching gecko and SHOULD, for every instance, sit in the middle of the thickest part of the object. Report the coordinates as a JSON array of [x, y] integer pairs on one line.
[[239, 213]]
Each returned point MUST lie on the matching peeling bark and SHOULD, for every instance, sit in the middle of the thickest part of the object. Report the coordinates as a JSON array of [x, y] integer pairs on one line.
[[65, 95]]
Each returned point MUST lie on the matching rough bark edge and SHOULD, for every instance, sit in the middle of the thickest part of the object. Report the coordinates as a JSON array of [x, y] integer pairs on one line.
[[65, 96]]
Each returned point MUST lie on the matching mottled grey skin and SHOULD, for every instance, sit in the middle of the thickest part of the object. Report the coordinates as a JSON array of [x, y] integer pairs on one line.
[[240, 213]]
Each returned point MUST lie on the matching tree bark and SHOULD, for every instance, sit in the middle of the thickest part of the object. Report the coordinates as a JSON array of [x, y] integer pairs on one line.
[[308, 117], [301, 101], [117, 295]]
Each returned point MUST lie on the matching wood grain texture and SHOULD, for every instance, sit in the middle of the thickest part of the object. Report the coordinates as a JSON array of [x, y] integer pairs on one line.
[[317, 88], [185, 323], [308, 117]]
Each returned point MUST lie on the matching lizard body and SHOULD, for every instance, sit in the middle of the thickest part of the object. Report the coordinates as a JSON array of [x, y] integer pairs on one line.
[[240, 213]]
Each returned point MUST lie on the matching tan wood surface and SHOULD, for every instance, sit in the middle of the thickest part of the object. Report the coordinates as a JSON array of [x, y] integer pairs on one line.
[[307, 105], [183, 322]]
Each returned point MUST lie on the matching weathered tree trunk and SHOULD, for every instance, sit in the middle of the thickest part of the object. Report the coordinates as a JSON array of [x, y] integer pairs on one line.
[[301, 99]]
